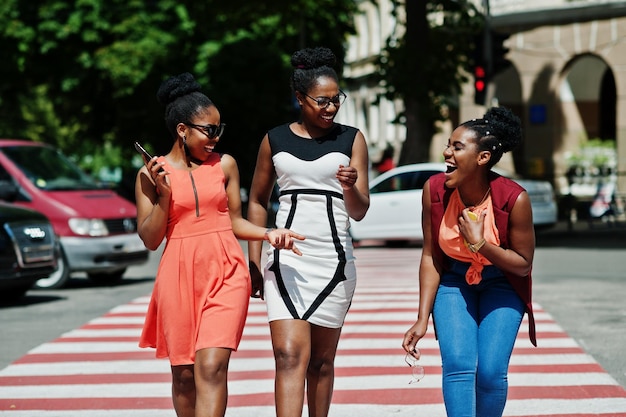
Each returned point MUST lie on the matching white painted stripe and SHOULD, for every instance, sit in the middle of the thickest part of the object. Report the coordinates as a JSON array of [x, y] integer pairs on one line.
[[95, 333], [120, 320], [375, 296], [544, 407], [129, 308], [147, 390], [408, 316], [154, 366], [410, 305]]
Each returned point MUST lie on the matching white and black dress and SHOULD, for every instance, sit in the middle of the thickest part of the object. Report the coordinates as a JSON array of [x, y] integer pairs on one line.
[[317, 286]]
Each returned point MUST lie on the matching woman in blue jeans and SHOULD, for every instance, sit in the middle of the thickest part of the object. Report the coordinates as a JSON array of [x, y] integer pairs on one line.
[[475, 268]]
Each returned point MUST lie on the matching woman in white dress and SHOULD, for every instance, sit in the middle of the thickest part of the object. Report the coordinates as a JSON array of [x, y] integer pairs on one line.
[[321, 170]]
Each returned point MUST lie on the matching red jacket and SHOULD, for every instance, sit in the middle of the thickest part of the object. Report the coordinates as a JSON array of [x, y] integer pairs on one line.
[[504, 193]]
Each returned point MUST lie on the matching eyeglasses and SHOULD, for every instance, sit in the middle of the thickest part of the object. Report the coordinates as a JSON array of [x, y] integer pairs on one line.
[[212, 131], [417, 370], [324, 102]]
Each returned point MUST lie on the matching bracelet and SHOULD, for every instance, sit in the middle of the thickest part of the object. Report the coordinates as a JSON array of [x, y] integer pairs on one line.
[[475, 247], [265, 236]]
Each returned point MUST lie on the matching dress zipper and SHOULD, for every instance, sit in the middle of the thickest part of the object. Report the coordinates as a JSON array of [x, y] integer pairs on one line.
[[195, 194]]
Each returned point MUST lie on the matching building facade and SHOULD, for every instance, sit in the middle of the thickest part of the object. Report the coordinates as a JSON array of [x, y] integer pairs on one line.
[[567, 82]]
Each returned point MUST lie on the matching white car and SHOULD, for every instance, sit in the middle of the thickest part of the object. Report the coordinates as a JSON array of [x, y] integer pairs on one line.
[[395, 213]]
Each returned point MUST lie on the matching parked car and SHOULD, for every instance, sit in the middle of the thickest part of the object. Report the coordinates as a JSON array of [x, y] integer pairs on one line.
[[29, 249], [97, 228], [396, 203]]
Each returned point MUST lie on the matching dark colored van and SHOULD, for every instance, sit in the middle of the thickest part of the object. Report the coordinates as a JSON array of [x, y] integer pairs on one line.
[[97, 228]]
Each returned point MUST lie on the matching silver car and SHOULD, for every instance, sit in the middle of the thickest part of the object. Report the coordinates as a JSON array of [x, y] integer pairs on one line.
[[396, 203]]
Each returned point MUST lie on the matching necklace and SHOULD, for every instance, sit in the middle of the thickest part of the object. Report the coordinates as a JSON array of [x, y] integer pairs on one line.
[[482, 200]]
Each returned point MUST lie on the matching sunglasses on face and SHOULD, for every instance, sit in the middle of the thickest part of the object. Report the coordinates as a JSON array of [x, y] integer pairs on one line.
[[324, 102], [212, 131]]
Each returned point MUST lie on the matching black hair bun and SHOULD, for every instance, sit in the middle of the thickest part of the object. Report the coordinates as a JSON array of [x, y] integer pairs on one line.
[[310, 58], [176, 87], [505, 126]]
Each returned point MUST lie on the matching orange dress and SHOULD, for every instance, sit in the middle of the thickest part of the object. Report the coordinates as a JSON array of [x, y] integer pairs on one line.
[[202, 288]]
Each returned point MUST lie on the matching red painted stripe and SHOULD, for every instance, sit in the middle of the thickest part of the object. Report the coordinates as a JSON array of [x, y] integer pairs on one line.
[[8, 381], [560, 369], [81, 357], [269, 374], [125, 314], [571, 392], [396, 335], [110, 326], [408, 396], [577, 415]]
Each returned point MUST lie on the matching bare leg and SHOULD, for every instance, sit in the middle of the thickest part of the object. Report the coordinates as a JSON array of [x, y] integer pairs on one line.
[[321, 370], [183, 390], [291, 340], [211, 377]]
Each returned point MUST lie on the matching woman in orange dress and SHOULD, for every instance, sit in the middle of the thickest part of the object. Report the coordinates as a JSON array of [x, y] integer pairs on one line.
[[199, 303]]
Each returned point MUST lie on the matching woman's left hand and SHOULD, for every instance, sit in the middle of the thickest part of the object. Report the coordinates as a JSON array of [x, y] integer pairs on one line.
[[347, 176]]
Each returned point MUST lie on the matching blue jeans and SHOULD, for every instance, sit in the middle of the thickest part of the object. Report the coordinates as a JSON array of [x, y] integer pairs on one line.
[[476, 326]]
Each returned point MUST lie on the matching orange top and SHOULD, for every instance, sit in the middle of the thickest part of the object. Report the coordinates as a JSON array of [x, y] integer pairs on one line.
[[453, 244]]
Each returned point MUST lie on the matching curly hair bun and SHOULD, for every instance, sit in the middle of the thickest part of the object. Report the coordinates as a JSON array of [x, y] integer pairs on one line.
[[506, 126], [310, 58], [176, 87]]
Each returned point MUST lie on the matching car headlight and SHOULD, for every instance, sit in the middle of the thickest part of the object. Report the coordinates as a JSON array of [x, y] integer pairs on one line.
[[88, 227]]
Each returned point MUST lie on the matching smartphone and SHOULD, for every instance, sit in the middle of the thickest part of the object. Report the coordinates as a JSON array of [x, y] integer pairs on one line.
[[145, 154]]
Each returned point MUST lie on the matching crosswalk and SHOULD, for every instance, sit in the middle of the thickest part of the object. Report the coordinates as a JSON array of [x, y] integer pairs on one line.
[[97, 370]]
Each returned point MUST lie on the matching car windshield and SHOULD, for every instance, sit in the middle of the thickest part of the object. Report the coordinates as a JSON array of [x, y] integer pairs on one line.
[[48, 169]]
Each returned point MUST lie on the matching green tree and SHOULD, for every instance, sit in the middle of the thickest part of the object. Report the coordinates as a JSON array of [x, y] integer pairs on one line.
[[426, 66], [82, 74]]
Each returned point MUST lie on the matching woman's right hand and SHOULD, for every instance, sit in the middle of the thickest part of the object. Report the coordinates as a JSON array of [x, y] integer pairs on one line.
[[256, 279], [158, 174]]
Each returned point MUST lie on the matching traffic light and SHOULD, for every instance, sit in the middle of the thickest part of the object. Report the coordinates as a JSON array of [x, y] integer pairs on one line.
[[489, 59], [499, 62], [480, 84], [480, 70]]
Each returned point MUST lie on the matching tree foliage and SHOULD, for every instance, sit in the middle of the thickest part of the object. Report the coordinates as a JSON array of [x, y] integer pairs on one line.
[[82, 74], [426, 66]]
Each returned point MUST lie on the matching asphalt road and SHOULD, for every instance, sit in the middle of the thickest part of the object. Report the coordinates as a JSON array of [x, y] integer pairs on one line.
[[579, 278]]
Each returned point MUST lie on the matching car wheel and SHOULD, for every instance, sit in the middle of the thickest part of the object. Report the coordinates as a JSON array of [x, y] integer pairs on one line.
[[107, 277], [59, 278]]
